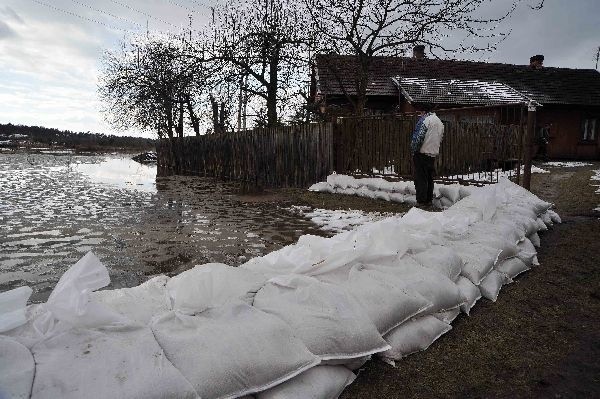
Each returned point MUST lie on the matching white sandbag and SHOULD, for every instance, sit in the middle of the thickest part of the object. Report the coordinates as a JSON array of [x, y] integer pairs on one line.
[[232, 351], [527, 252], [535, 240], [342, 181], [70, 301], [442, 259], [399, 187], [139, 304], [386, 304], [470, 292], [465, 191], [355, 364], [446, 202], [115, 363], [546, 219], [320, 382], [450, 191], [322, 187], [212, 285], [382, 195], [17, 369], [409, 188], [490, 286], [386, 186], [554, 216], [414, 336], [438, 289], [12, 308], [447, 316], [512, 267], [541, 225], [478, 260], [398, 197], [330, 322]]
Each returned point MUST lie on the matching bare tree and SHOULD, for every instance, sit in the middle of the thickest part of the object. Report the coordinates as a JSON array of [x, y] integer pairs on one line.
[[370, 28], [153, 84], [263, 44]]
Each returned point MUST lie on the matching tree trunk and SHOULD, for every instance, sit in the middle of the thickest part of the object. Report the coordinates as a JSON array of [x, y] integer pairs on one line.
[[193, 118], [272, 90]]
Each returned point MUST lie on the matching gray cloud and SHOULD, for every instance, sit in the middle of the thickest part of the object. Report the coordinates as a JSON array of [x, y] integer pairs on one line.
[[6, 32], [11, 14]]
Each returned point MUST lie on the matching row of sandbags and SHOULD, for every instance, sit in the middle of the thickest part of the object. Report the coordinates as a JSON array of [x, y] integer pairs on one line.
[[445, 195], [290, 324]]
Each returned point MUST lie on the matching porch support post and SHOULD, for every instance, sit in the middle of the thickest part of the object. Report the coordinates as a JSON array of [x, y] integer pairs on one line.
[[528, 147]]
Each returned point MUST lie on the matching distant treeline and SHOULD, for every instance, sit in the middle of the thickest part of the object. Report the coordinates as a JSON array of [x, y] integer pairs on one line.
[[78, 140]]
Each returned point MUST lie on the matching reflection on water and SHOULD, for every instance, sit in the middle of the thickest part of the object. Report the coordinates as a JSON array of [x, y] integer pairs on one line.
[[53, 209]]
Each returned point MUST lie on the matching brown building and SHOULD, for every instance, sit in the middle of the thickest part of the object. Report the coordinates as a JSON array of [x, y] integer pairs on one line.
[[567, 100]]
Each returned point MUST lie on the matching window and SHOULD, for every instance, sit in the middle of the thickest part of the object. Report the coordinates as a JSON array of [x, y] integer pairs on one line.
[[589, 128]]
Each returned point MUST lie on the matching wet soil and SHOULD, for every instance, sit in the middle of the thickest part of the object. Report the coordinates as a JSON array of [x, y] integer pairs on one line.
[[541, 339]]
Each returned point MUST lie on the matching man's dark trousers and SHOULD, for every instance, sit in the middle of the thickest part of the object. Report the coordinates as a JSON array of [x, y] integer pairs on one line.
[[424, 170]]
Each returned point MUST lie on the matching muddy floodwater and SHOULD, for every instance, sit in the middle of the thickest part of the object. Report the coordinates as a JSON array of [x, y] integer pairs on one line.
[[55, 208]]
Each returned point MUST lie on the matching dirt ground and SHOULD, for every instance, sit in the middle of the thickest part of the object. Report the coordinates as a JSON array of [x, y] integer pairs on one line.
[[541, 339]]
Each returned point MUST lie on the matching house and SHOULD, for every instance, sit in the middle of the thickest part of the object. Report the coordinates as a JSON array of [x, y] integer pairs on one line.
[[567, 100]]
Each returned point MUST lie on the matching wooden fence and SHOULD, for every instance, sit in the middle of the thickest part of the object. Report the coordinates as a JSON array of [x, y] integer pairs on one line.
[[287, 156], [297, 156], [381, 145]]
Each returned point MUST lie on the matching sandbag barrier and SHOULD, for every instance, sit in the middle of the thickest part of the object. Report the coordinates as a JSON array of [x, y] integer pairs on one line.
[[292, 324], [444, 195]]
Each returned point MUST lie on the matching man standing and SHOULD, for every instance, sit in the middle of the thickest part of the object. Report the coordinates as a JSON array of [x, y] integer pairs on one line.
[[425, 146]]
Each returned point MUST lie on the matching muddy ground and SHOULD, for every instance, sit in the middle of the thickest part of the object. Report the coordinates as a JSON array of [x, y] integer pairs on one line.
[[541, 339]]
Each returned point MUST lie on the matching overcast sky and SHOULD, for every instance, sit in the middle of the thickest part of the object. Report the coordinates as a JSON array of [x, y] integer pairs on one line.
[[50, 49]]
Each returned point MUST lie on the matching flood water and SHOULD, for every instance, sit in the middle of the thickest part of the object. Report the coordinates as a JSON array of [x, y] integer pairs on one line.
[[55, 208]]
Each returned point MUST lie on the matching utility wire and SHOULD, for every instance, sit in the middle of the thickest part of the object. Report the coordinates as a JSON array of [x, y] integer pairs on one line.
[[107, 13], [78, 16], [144, 13]]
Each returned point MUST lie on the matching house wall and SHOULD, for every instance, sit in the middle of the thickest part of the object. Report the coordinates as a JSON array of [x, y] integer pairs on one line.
[[565, 123]]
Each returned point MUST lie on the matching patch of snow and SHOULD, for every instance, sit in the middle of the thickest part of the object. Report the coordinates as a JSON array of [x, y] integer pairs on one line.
[[596, 177], [560, 164], [338, 220]]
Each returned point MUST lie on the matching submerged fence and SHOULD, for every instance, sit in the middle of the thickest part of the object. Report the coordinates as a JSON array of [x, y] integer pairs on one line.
[[297, 156]]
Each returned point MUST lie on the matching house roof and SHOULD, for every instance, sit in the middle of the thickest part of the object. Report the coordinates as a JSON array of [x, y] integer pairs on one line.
[[335, 74], [457, 91]]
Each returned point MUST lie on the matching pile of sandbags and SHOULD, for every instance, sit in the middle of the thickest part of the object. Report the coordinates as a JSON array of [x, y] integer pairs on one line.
[[291, 324], [445, 195]]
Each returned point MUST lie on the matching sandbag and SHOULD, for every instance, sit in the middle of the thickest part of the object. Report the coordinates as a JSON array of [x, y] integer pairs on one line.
[[554, 216], [541, 225], [212, 285], [438, 289], [70, 301], [470, 292], [512, 267], [414, 336], [139, 304], [123, 363], [331, 323], [17, 369], [450, 191], [386, 304], [233, 350], [527, 253], [322, 187], [12, 308], [442, 259], [490, 286], [546, 219], [447, 316], [478, 260], [446, 202], [320, 382], [535, 240]]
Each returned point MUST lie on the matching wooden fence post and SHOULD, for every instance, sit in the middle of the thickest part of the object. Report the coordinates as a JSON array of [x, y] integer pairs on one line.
[[528, 147]]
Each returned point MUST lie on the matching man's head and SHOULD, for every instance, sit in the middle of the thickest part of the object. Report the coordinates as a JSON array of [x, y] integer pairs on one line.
[[426, 107]]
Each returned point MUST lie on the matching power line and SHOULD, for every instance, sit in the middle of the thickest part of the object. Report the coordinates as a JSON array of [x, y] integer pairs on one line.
[[144, 13], [182, 6], [77, 15], [107, 13]]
